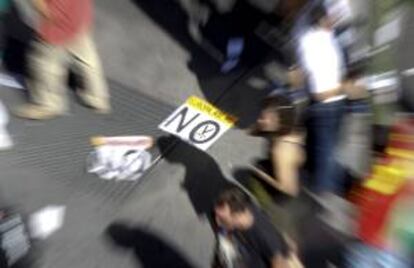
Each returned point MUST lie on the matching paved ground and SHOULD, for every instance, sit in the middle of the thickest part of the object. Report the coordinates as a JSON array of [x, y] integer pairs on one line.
[[151, 72]]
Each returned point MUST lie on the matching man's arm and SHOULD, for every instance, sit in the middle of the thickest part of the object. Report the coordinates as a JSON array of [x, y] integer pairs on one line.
[[42, 7], [279, 261]]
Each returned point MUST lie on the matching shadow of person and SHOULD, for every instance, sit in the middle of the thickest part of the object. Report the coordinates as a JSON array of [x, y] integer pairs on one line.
[[203, 180], [172, 18], [149, 248]]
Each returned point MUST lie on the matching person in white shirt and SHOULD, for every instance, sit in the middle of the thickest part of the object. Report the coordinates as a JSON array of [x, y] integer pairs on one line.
[[322, 60]]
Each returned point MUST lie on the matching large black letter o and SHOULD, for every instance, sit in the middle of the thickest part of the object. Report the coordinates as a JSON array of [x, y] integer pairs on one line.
[[196, 140]]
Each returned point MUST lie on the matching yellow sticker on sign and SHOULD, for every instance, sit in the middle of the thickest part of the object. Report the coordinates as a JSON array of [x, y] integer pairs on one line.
[[209, 109]]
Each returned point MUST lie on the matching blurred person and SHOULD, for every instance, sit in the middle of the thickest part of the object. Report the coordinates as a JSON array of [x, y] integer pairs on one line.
[[285, 202], [355, 146], [64, 36], [293, 87], [322, 61], [252, 240], [225, 27], [278, 123]]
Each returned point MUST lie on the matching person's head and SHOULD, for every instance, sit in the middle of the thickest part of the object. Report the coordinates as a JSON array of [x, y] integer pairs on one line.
[[230, 208], [278, 116], [319, 18]]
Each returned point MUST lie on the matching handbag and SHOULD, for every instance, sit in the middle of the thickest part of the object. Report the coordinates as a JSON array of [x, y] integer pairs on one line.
[[14, 240]]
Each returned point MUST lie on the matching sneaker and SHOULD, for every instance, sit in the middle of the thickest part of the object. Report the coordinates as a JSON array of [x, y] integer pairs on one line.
[[36, 112], [103, 110], [100, 107]]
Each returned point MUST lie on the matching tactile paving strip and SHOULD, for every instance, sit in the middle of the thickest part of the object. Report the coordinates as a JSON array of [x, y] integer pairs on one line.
[[59, 147]]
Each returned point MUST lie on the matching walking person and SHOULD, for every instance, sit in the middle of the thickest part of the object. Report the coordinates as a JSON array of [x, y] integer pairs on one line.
[[322, 60], [64, 36]]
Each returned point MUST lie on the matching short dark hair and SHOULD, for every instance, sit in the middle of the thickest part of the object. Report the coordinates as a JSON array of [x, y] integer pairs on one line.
[[235, 198], [286, 110], [319, 12]]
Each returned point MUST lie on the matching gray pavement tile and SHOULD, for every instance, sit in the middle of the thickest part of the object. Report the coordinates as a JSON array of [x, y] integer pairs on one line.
[[47, 166]]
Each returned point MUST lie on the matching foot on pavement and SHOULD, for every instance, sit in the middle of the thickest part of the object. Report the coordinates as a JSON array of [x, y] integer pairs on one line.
[[36, 112]]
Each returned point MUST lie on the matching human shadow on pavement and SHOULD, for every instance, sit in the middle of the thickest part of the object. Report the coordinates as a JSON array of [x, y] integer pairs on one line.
[[203, 179], [228, 92], [150, 249]]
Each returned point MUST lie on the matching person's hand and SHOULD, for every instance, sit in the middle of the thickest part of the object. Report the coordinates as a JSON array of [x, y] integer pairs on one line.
[[296, 78], [355, 91], [293, 247], [42, 8], [294, 262]]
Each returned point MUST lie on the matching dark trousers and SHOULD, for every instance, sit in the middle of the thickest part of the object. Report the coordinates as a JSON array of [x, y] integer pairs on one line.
[[321, 245], [323, 126]]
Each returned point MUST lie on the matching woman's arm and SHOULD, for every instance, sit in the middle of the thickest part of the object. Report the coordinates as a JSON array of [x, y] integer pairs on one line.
[[266, 177], [286, 163], [279, 261], [42, 7], [285, 160]]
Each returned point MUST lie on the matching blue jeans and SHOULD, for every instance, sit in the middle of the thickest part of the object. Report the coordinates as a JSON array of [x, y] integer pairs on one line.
[[323, 126]]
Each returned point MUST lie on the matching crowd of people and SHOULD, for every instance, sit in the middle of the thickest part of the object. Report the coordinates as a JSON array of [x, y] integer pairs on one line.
[[285, 223]]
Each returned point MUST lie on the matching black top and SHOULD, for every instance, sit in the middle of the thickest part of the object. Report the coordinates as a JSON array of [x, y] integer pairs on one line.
[[259, 244], [287, 213]]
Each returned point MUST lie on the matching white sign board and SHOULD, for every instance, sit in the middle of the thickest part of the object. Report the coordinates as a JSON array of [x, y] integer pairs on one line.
[[198, 123]]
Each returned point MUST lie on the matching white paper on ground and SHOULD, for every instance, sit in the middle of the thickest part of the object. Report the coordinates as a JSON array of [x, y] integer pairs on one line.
[[119, 163], [120, 158], [47, 221]]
